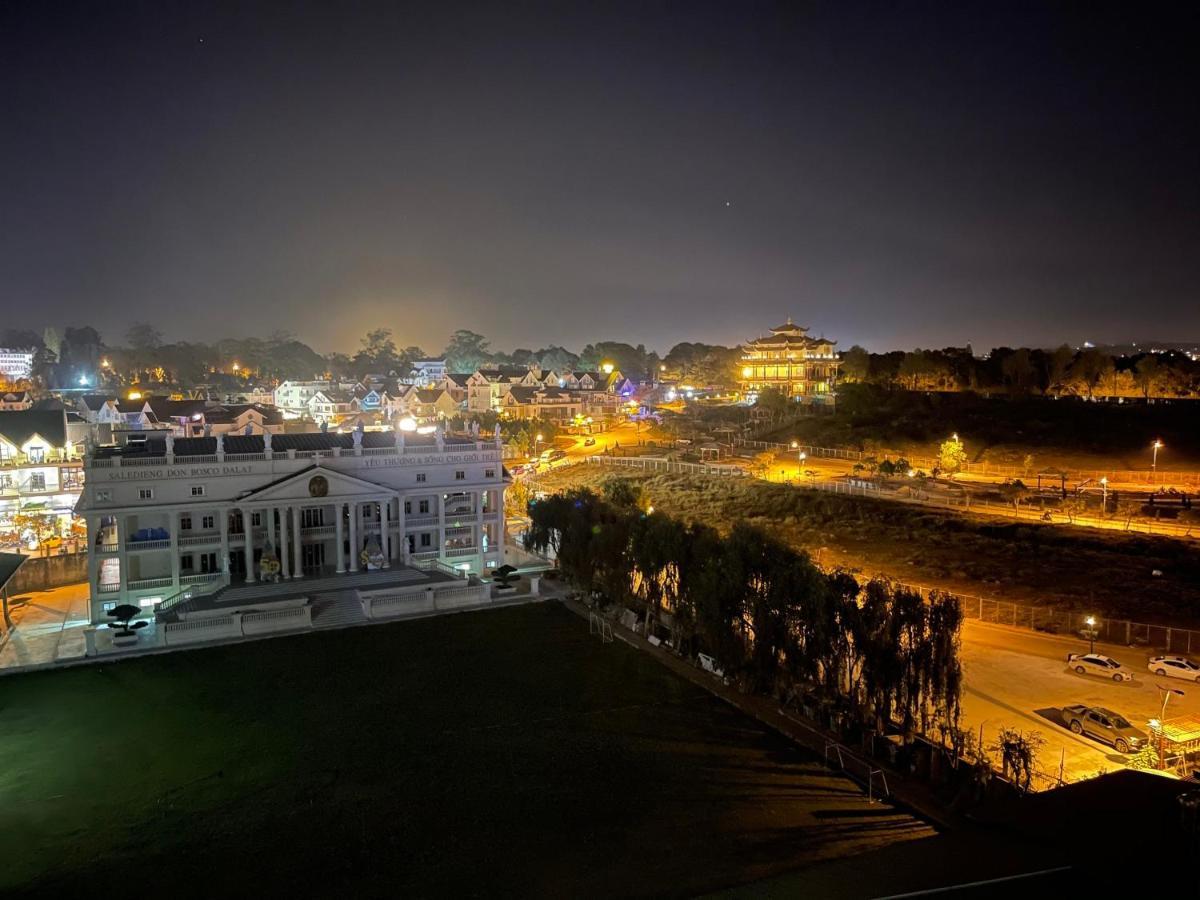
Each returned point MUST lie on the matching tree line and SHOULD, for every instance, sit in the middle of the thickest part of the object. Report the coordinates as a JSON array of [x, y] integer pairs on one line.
[[1088, 372], [767, 614]]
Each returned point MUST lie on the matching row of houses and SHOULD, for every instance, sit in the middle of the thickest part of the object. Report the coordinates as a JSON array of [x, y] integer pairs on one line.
[[519, 393]]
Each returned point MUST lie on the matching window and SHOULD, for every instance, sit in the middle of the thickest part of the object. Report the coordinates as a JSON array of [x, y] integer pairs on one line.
[[185, 523], [420, 477], [208, 562], [426, 539], [313, 517], [37, 454], [408, 506], [424, 507], [256, 520], [207, 522], [185, 563], [460, 475], [37, 481], [102, 496], [145, 493], [197, 490], [489, 473]]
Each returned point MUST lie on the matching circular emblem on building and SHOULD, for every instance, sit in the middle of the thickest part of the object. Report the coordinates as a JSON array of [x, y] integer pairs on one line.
[[318, 486]]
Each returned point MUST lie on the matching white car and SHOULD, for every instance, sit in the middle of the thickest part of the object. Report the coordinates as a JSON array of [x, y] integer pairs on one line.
[[1098, 664], [1174, 667]]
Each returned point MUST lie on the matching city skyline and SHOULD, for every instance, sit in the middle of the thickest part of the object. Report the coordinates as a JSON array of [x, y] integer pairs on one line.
[[925, 177]]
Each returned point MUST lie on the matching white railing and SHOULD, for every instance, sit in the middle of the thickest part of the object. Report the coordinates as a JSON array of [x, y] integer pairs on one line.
[[107, 588], [462, 551], [198, 539], [198, 578], [147, 545], [245, 457], [144, 583], [419, 521]]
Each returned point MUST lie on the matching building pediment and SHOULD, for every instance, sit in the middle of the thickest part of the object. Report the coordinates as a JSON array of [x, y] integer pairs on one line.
[[314, 484]]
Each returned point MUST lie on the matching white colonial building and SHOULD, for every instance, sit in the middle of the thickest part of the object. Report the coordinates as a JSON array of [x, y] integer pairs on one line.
[[197, 515]]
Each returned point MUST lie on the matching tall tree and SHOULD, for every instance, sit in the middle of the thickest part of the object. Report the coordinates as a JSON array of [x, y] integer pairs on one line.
[[466, 351]]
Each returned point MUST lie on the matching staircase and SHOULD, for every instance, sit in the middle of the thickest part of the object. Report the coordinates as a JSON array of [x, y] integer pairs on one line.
[[337, 609]]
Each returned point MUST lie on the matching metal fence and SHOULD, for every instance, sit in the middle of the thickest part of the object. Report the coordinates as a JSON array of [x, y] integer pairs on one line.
[[927, 463]]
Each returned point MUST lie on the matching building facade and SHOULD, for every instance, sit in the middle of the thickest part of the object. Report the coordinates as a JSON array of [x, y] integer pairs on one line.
[[198, 513], [41, 479], [16, 364], [801, 367]]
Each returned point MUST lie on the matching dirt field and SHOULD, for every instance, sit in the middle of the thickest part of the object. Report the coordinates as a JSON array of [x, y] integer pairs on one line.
[[1111, 574]]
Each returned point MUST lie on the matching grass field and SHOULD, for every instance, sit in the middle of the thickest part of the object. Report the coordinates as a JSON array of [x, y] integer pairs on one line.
[[500, 752]]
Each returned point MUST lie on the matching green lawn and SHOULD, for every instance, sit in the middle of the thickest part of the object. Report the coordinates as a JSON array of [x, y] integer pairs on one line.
[[495, 752]]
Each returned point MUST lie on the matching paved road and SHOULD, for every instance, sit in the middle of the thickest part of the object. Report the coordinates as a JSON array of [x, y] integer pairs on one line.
[[1016, 678]]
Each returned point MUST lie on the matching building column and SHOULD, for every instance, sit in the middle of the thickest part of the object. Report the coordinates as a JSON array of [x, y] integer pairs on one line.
[[223, 513], [441, 508], [352, 564], [337, 547], [93, 531], [296, 563], [385, 526], [285, 570], [271, 542], [122, 556], [402, 540], [248, 528], [479, 495], [173, 525]]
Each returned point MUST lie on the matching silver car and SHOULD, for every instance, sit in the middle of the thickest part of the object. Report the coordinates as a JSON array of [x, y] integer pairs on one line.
[[1174, 667]]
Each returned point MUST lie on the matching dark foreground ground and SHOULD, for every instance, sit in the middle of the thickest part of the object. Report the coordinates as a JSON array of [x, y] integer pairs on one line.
[[503, 752]]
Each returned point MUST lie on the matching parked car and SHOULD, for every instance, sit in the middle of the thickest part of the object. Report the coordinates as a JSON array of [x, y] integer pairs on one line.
[[590, 442], [1105, 725], [1174, 667], [1098, 664]]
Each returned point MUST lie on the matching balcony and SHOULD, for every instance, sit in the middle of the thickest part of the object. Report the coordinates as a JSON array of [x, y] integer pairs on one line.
[[454, 552], [107, 588], [420, 521], [199, 540], [133, 546], [143, 584], [108, 547], [318, 531]]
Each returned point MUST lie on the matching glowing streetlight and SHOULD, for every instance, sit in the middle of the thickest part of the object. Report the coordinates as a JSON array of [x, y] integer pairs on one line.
[[1104, 496], [236, 367], [607, 368], [649, 510], [1090, 622], [83, 381], [536, 441], [1157, 445]]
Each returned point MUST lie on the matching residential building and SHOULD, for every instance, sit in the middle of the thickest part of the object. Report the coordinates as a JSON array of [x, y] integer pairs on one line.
[[16, 364], [292, 396], [41, 476], [330, 406], [427, 405], [426, 372], [550, 403], [196, 514], [801, 367], [16, 401]]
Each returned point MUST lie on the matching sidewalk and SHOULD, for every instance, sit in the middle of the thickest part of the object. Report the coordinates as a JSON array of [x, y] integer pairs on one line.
[[912, 795], [47, 627]]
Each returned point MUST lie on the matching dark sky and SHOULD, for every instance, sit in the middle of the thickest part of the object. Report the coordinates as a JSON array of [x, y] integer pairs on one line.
[[893, 174]]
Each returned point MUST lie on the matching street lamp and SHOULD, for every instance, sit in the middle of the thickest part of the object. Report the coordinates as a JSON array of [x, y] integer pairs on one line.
[[1154, 463], [536, 441], [1162, 718], [1090, 621], [1104, 495]]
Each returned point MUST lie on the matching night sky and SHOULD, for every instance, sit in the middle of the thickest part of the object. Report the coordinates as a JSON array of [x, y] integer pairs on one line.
[[894, 175]]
